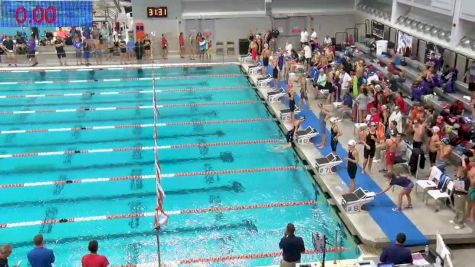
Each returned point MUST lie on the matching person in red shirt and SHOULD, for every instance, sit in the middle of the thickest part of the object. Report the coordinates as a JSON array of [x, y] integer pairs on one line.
[[181, 42], [93, 259], [400, 102], [164, 47]]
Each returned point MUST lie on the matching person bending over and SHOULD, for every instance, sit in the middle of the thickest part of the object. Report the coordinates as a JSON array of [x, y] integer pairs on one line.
[[406, 185]]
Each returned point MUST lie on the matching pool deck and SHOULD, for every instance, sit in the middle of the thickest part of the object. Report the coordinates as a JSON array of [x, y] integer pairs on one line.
[[362, 224]]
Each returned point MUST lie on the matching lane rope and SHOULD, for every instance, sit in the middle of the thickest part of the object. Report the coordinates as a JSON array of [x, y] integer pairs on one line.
[[72, 110], [148, 176], [138, 148], [152, 213], [181, 77], [137, 92], [117, 67], [127, 126]]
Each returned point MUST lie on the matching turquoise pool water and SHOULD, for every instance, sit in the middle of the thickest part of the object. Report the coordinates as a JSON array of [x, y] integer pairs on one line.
[[133, 240]]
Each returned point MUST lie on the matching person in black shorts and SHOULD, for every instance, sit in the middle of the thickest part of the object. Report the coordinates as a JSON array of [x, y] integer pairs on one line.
[[352, 167], [291, 96], [335, 133], [123, 51], [369, 138], [59, 45]]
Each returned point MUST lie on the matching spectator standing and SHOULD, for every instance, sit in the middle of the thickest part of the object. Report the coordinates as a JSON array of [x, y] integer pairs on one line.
[[192, 46], [397, 253], [131, 49], [434, 145], [209, 47], [87, 50], [93, 259], [139, 50], [313, 39], [461, 188], [40, 256], [308, 54], [123, 51], [304, 37], [31, 52], [292, 247], [470, 76], [77, 43], [327, 41], [363, 100], [147, 45], [396, 116], [164, 47], [59, 46], [181, 43]]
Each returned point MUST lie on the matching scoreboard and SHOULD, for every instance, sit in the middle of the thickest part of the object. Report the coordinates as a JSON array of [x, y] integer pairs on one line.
[[46, 13]]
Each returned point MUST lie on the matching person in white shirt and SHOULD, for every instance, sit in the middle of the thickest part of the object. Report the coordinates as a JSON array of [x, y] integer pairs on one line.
[[327, 41], [346, 81], [304, 37], [313, 36], [373, 78], [288, 48], [308, 54], [396, 116]]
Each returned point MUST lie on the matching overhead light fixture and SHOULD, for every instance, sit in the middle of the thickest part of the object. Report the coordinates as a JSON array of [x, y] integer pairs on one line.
[[473, 44], [435, 31], [420, 26], [465, 42], [407, 22], [414, 24], [400, 20], [428, 28], [444, 35]]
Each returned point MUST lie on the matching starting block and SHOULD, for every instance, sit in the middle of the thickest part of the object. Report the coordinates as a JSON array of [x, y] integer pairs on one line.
[[325, 165], [274, 96], [246, 58], [353, 202], [304, 136], [264, 81], [285, 113], [255, 69]]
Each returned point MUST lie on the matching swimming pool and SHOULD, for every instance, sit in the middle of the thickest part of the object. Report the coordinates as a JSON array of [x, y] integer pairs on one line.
[[61, 131]]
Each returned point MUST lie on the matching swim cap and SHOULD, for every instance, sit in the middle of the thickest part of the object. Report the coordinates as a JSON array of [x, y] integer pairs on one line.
[[352, 142], [435, 129]]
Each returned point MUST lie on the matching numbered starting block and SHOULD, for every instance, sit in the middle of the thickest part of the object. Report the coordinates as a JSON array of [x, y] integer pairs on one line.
[[264, 81], [327, 164], [255, 69], [274, 96], [285, 113], [304, 136], [353, 202]]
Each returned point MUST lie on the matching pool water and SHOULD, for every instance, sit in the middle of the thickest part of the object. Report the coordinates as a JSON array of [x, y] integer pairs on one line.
[[133, 240]]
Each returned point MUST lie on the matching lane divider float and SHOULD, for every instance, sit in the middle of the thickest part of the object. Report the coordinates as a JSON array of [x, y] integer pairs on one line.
[[138, 148], [152, 213], [148, 176], [137, 92], [72, 110], [181, 77], [131, 126]]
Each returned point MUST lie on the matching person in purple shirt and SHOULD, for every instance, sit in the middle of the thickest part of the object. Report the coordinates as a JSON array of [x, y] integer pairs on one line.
[[40, 256], [31, 51], [397, 253], [406, 185]]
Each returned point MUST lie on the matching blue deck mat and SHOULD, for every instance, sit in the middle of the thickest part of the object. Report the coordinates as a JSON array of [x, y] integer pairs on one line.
[[380, 209]]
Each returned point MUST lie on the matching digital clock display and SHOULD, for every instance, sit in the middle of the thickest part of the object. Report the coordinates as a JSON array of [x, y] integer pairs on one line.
[[46, 13], [157, 12]]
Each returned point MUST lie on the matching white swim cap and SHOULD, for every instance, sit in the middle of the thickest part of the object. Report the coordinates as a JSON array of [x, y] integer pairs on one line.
[[352, 142], [435, 129]]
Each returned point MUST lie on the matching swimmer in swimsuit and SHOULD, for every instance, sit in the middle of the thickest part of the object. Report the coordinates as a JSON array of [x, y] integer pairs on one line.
[[291, 134]]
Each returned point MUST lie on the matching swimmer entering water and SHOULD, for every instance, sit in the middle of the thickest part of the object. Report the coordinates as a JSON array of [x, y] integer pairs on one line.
[[291, 134]]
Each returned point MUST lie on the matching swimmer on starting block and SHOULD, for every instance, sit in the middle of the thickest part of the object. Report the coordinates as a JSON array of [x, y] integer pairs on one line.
[[290, 134]]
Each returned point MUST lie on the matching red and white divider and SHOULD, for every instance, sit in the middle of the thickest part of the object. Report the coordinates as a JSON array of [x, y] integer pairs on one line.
[[138, 148], [127, 126], [148, 176], [70, 110], [153, 213]]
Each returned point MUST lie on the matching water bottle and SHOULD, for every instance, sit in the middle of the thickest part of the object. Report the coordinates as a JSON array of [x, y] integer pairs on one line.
[[426, 250]]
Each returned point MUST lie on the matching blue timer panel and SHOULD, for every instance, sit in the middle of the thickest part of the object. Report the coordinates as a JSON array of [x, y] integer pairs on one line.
[[46, 13]]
